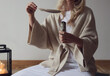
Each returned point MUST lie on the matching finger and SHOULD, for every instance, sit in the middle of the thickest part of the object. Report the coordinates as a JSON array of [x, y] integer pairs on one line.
[[61, 39], [65, 41], [69, 40], [61, 32], [61, 36], [33, 8], [33, 5], [30, 10], [68, 35]]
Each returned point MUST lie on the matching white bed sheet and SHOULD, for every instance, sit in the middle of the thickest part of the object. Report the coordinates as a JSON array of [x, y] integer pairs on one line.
[[39, 70]]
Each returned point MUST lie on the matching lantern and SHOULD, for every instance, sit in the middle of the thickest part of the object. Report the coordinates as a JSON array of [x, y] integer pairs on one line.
[[5, 61]]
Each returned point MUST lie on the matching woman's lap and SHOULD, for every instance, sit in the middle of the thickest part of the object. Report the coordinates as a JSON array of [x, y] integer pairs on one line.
[[39, 70]]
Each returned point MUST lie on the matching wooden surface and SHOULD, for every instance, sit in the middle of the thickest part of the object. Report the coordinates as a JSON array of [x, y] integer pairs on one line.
[[16, 64], [103, 66]]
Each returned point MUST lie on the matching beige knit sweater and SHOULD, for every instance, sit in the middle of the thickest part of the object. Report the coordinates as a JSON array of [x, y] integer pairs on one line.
[[46, 36]]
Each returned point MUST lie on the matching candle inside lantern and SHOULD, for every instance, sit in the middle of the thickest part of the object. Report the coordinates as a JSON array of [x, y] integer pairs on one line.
[[2, 68]]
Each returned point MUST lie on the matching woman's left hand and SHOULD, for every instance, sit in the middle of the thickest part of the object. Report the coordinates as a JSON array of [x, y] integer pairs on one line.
[[69, 38], [66, 37]]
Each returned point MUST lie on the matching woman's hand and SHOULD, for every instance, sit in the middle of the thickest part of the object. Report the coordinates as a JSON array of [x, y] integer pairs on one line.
[[31, 8], [69, 38], [66, 37]]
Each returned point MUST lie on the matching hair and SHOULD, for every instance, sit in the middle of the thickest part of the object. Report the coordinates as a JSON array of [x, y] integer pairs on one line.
[[76, 10]]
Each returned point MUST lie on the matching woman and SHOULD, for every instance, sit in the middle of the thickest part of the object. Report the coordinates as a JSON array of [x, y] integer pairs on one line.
[[71, 50]]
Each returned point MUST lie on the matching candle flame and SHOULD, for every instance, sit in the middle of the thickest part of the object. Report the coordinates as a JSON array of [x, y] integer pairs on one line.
[[2, 68]]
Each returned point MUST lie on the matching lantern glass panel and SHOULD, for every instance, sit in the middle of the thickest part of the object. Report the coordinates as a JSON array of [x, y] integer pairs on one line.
[[3, 61]]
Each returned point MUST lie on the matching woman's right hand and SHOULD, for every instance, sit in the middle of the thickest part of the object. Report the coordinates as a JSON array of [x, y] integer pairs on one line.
[[31, 8]]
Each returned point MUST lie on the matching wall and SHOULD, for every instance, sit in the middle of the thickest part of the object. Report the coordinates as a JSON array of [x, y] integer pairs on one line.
[[14, 27], [101, 11]]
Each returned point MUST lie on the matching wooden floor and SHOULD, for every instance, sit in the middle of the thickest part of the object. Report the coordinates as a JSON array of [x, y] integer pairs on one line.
[[103, 66]]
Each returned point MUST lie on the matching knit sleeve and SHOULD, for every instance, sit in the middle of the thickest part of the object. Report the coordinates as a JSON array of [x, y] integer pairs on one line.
[[90, 39], [38, 35]]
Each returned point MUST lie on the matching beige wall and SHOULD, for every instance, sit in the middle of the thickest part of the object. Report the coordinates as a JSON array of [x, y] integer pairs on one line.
[[14, 27]]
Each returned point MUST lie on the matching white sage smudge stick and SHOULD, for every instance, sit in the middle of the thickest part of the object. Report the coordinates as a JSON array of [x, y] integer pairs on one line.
[[50, 10]]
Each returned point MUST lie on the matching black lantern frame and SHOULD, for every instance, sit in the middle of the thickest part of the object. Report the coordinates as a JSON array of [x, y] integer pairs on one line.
[[4, 49]]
